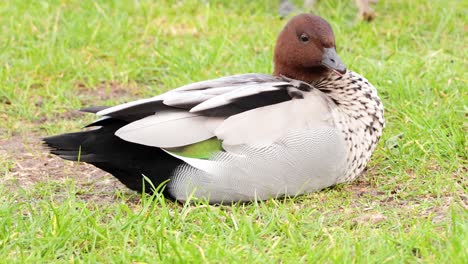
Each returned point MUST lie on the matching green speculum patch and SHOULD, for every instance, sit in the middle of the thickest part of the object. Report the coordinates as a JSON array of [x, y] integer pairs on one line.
[[200, 150]]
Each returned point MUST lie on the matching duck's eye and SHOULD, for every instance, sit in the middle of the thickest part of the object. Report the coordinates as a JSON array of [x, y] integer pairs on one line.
[[304, 38]]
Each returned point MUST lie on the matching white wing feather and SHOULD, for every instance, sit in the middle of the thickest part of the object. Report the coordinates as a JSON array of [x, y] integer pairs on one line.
[[240, 92], [170, 129]]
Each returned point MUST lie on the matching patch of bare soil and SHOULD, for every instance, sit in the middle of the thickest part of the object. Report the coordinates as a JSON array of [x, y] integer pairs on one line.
[[30, 163]]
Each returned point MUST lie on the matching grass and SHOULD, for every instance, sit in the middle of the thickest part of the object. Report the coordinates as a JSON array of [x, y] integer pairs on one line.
[[57, 56]]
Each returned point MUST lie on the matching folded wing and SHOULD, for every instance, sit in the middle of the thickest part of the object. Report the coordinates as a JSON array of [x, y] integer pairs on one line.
[[249, 109]]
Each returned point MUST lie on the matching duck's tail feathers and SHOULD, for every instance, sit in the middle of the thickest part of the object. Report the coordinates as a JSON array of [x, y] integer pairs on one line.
[[127, 161]]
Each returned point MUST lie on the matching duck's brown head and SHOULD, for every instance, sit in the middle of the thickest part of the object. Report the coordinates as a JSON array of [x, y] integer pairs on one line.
[[305, 50]]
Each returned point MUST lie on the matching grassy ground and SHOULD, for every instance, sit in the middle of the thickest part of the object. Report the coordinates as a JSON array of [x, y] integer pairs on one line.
[[58, 56]]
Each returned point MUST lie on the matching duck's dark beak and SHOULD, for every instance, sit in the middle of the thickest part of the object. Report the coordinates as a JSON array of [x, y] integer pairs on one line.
[[331, 60]]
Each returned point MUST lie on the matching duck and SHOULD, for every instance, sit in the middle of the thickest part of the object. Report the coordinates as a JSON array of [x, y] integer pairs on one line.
[[310, 125]]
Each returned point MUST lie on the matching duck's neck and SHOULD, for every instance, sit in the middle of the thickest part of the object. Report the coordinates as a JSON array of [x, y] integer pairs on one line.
[[308, 75], [359, 115]]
